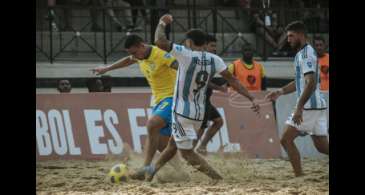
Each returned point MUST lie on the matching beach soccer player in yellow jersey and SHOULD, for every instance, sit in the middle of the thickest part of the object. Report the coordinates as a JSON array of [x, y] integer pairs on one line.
[[155, 65]]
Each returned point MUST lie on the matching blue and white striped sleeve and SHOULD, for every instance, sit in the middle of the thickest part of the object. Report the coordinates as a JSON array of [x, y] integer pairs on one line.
[[309, 63]]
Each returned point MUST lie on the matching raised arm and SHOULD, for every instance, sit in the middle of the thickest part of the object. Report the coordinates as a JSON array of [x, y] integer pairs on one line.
[[161, 40]]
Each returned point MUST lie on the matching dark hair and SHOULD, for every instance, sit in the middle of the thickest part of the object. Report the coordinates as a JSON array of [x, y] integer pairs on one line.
[[132, 40], [247, 46], [211, 38], [296, 26], [91, 84], [319, 38], [197, 36], [107, 83], [59, 81]]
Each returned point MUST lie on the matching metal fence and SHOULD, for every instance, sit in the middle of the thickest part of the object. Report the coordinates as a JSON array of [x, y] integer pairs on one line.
[[81, 41]]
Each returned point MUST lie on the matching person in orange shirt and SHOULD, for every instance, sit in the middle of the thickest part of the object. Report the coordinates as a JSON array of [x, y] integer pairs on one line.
[[323, 61], [250, 73]]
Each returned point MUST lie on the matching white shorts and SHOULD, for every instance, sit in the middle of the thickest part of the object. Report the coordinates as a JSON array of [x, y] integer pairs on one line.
[[314, 122], [184, 131]]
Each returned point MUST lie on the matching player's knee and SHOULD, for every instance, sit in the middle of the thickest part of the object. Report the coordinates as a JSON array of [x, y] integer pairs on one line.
[[186, 154], [285, 141], [218, 122], [172, 147], [322, 149], [153, 126]]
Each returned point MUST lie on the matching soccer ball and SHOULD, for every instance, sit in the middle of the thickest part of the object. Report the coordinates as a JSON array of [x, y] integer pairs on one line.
[[118, 173]]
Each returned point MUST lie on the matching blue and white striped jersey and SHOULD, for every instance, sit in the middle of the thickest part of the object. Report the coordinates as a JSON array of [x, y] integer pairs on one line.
[[306, 62], [196, 69]]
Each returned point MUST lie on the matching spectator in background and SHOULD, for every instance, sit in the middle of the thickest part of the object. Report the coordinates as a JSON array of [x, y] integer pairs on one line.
[[267, 24], [107, 83], [323, 61], [250, 73], [111, 13], [56, 21], [156, 14], [137, 3], [64, 86], [93, 13], [95, 85]]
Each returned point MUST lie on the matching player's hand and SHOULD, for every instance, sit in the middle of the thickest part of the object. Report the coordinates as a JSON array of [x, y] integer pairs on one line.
[[298, 116], [255, 107], [167, 19], [99, 70], [273, 95]]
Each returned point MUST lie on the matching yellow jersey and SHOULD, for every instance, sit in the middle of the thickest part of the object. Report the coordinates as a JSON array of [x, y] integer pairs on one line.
[[160, 76]]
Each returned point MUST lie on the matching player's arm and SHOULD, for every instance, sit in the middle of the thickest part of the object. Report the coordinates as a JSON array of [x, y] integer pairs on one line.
[[217, 87], [124, 62], [308, 89], [264, 83], [161, 40], [273, 95], [307, 92], [236, 85], [264, 79]]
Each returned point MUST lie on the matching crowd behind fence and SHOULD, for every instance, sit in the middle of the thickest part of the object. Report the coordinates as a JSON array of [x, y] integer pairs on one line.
[[97, 33]]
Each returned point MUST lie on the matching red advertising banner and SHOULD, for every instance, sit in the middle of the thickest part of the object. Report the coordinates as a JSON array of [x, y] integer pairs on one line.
[[94, 125]]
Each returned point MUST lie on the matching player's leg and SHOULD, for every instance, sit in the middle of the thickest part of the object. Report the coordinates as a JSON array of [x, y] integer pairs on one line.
[[287, 141], [321, 144], [162, 145], [154, 124], [174, 161], [183, 134], [319, 137], [184, 142], [167, 154], [158, 127], [158, 124], [199, 163], [200, 131], [212, 130], [163, 142]]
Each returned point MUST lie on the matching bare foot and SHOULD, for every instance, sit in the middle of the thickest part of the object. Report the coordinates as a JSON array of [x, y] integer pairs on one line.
[[215, 181], [149, 176], [138, 175]]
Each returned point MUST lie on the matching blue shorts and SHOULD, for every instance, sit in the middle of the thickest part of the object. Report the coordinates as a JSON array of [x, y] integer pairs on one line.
[[163, 110]]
